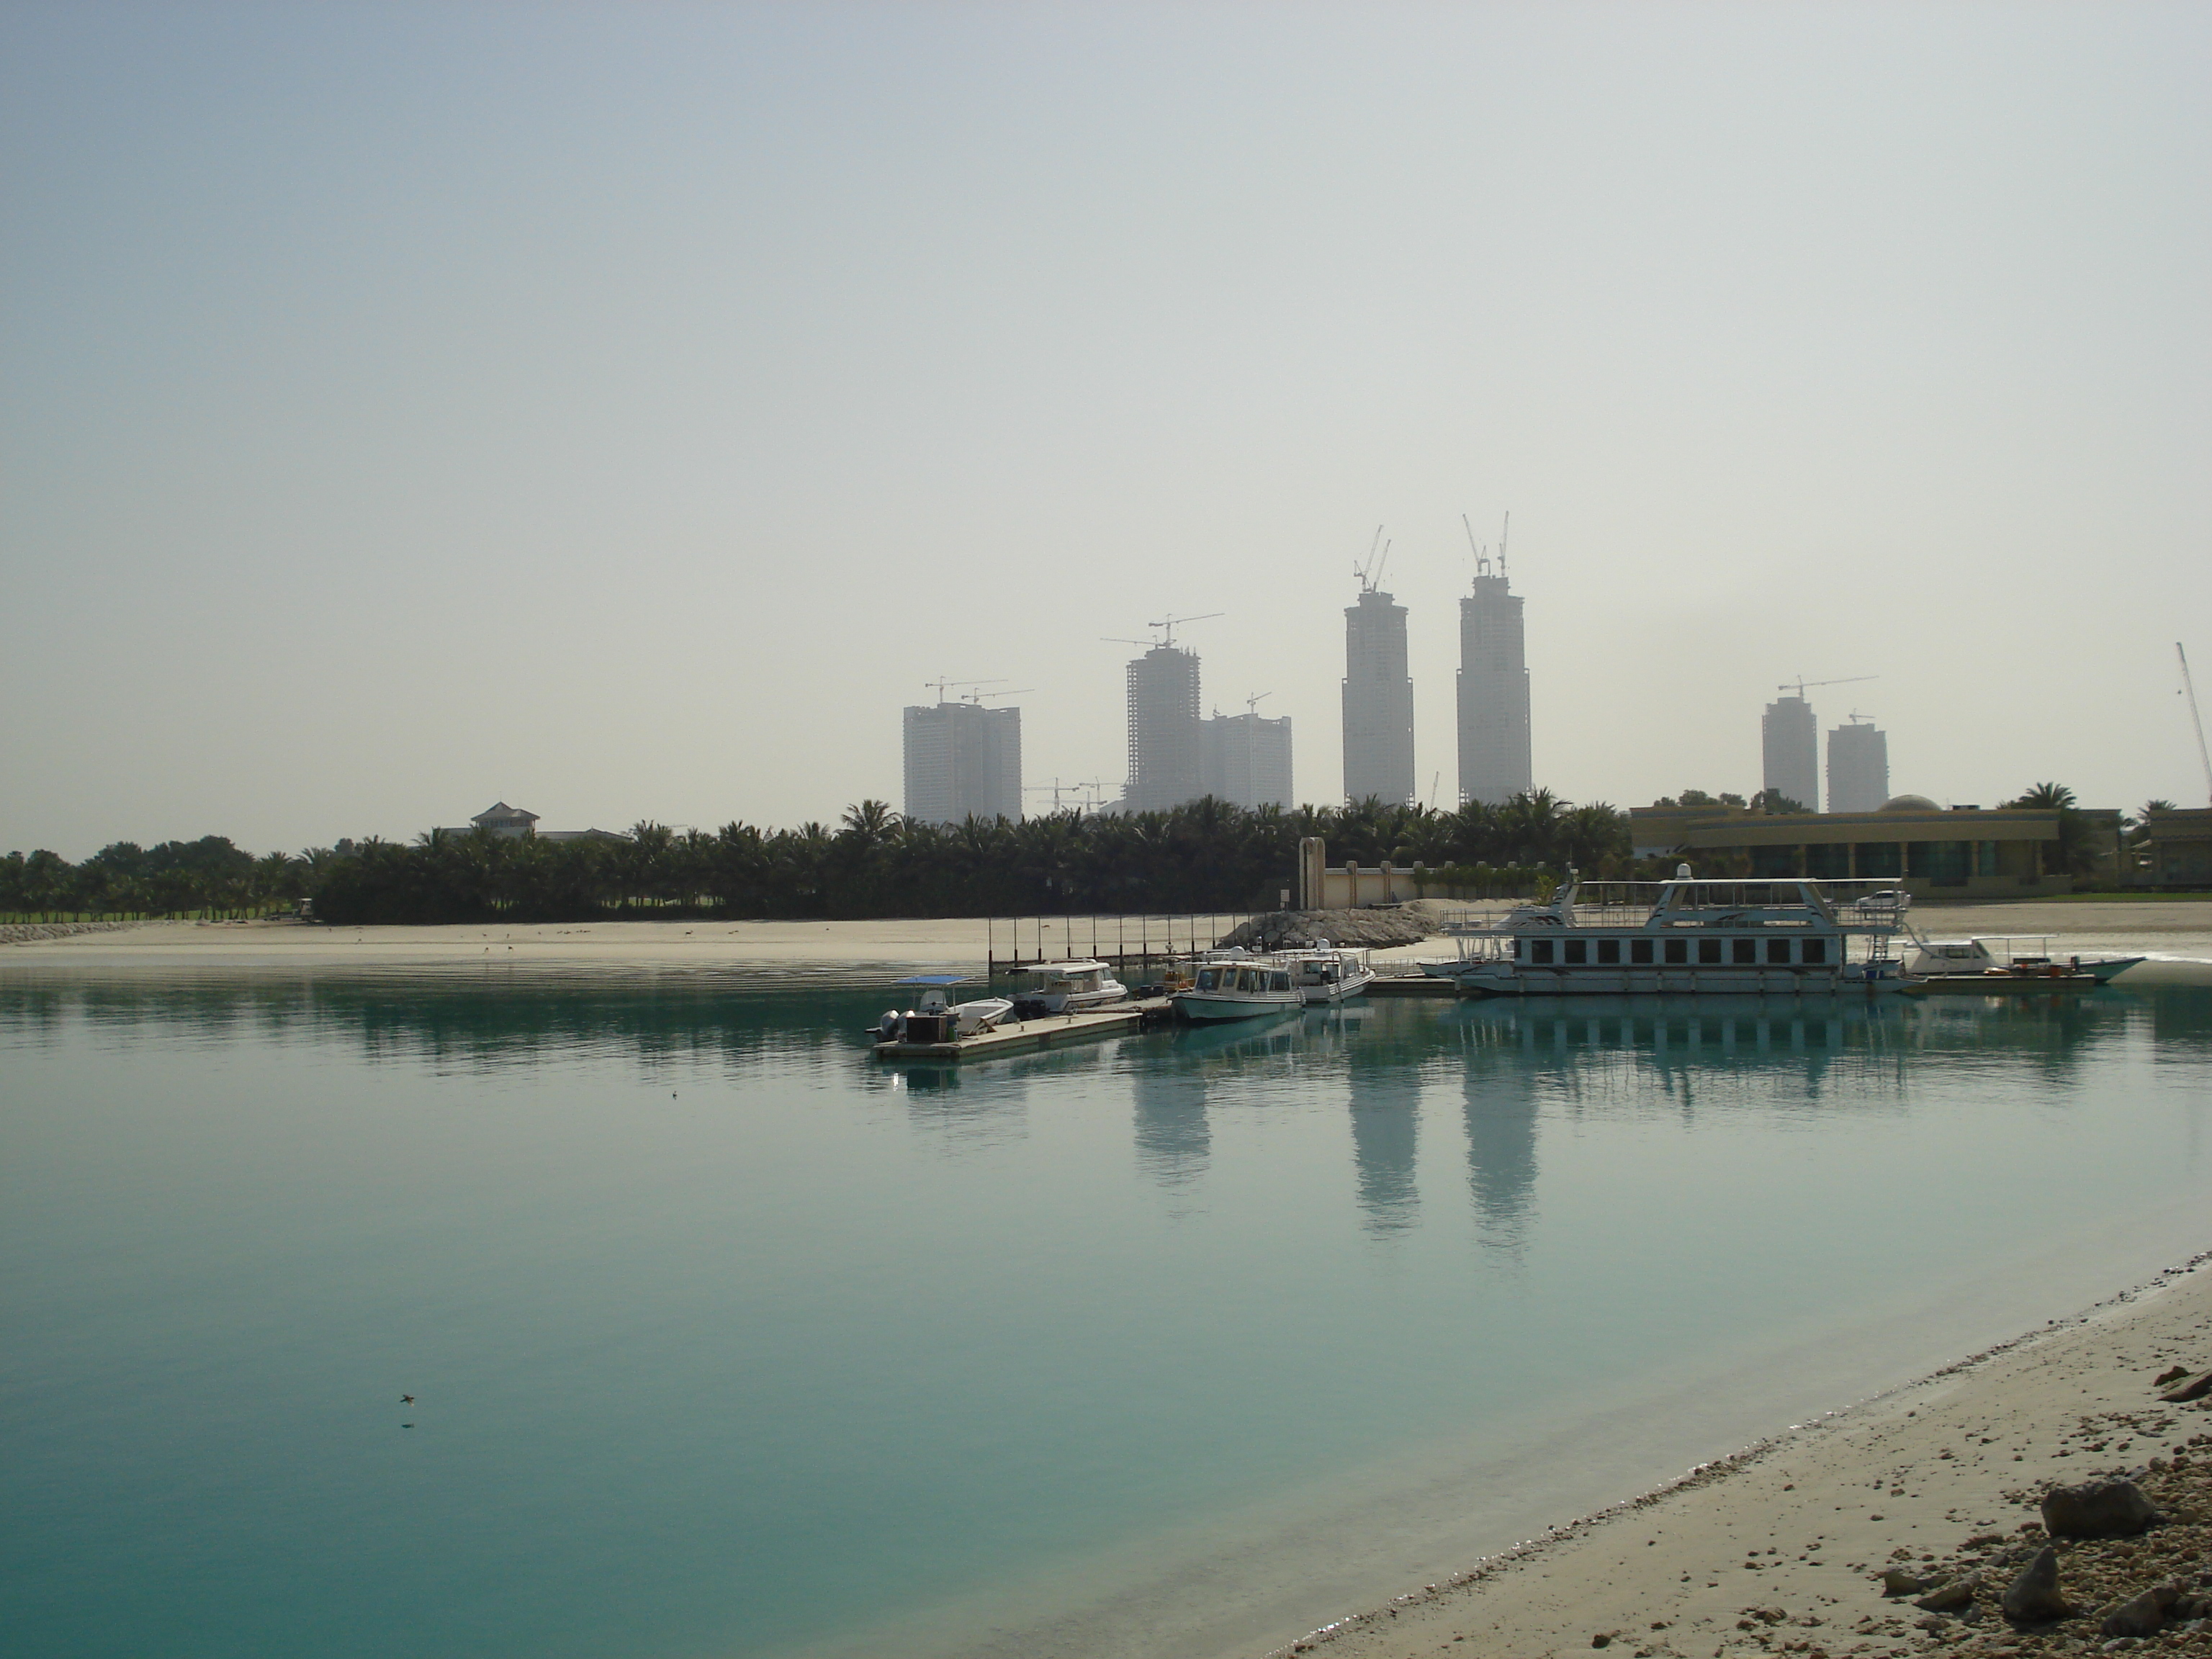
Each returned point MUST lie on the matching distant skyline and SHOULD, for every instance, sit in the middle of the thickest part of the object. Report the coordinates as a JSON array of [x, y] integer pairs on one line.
[[625, 411]]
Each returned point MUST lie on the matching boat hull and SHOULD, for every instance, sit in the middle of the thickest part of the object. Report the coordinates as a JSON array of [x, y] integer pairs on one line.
[[1320, 996], [1206, 1006], [1518, 981]]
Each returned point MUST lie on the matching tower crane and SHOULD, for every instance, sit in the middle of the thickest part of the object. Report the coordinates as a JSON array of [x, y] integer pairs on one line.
[[1849, 679], [1014, 691], [1370, 570], [946, 682], [1167, 627]]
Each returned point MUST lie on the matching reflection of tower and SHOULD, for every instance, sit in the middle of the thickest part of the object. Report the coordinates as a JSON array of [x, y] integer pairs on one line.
[[1173, 1139], [1501, 1155], [1385, 1121]]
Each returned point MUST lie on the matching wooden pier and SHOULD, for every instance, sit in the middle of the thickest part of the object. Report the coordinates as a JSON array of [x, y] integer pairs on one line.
[[1011, 1036]]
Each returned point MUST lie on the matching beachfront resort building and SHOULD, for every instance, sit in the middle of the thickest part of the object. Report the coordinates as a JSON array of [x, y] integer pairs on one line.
[[1494, 759], [2179, 846], [1378, 703], [1165, 762], [1858, 767], [1789, 750], [962, 761], [1909, 842], [513, 824], [1245, 760]]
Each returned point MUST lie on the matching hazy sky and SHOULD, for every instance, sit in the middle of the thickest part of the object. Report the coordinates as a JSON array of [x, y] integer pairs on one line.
[[623, 410]]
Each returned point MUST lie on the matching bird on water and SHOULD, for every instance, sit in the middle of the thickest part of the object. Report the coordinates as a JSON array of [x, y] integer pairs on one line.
[[406, 1398]]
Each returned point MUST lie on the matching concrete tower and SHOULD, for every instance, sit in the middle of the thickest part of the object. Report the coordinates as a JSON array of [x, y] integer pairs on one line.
[[1790, 747], [1858, 767], [1494, 762], [962, 761], [1378, 702], [1246, 761], [1163, 731]]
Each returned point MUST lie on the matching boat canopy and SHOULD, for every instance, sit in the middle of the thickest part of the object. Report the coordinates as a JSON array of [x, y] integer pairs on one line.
[[1065, 967], [935, 979]]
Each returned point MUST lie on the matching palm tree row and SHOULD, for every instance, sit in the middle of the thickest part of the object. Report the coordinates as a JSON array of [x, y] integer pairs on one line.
[[177, 877], [1205, 855]]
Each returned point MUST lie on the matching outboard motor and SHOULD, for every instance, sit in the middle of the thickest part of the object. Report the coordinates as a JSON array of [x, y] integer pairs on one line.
[[887, 1028]]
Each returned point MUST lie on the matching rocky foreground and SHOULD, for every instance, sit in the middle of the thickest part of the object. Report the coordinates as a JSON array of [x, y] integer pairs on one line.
[[2051, 1497]]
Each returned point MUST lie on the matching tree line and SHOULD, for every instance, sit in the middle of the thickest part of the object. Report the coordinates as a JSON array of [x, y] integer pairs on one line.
[[1206, 855]]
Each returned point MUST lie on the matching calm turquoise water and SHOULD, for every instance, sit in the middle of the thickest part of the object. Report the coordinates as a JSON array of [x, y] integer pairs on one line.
[[727, 1342]]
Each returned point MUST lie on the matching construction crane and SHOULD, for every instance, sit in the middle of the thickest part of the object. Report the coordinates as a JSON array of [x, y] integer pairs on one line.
[[1849, 679], [978, 697], [944, 682], [1370, 570], [1167, 627], [2189, 689], [1482, 553]]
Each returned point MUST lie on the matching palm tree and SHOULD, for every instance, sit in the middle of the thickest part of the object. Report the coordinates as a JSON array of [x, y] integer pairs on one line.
[[2046, 797]]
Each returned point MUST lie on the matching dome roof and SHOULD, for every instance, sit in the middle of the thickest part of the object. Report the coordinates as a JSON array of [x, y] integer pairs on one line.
[[1910, 804]]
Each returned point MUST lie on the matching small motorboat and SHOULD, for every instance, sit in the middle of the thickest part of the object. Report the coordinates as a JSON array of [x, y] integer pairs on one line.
[[1976, 962], [1234, 984], [1328, 972], [1070, 987], [935, 1017]]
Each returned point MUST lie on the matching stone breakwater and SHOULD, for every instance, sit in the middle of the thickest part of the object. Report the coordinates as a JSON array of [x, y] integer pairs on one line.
[[1406, 924], [28, 932]]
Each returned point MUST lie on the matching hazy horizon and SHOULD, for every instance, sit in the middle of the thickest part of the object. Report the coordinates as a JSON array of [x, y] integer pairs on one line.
[[625, 413]]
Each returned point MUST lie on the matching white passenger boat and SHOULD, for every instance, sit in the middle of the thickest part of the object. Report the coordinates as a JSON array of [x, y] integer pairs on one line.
[[1234, 985], [2000, 954], [1070, 988], [1329, 973], [935, 1017], [1773, 938]]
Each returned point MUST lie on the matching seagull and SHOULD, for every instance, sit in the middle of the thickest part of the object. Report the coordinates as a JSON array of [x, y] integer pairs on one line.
[[406, 1398]]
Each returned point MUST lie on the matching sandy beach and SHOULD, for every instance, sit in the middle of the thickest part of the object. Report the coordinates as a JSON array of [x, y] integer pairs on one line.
[[1781, 1547], [2176, 934]]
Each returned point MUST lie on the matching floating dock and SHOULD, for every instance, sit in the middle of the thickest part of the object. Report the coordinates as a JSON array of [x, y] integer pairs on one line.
[[1011, 1036], [1410, 985]]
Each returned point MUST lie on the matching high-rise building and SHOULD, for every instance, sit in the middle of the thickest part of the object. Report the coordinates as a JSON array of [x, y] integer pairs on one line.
[[1163, 731], [1790, 745], [1246, 761], [1858, 767], [1378, 702], [1494, 760], [962, 761]]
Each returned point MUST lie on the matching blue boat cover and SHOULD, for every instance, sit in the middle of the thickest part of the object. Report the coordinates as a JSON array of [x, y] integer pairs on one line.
[[934, 979]]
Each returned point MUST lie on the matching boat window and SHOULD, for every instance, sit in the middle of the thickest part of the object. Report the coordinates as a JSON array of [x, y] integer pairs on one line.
[[1608, 950], [1278, 982], [1208, 978], [1639, 949], [1816, 949], [1678, 949], [1747, 950], [1709, 950], [1540, 950], [1577, 950], [1778, 950]]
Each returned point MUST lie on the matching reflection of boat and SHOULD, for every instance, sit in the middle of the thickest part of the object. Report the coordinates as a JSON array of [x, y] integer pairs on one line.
[[1784, 937], [1069, 987], [1981, 968], [1329, 973], [935, 1017], [1231, 985]]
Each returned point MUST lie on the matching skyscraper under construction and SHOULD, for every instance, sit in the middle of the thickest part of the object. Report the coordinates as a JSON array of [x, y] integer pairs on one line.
[[1789, 750], [1379, 701], [1163, 731], [1494, 760]]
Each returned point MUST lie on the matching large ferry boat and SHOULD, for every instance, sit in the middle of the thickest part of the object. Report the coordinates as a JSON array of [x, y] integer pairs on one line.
[[1775, 937]]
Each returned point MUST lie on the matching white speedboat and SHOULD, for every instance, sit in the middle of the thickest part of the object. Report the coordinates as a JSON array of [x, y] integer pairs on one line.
[[1782, 937], [1234, 985], [1329, 973], [1993, 956], [935, 1017], [1070, 988]]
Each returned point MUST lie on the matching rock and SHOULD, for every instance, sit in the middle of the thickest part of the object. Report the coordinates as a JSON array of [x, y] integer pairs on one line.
[[2034, 1598], [1896, 1581], [1959, 1593], [2174, 1375], [2194, 1388], [2143, 1615], [2097, 1509]]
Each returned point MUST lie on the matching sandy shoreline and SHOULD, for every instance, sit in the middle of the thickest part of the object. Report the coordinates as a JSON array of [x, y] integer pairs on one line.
[[2175, 931], [1800, 1525]]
